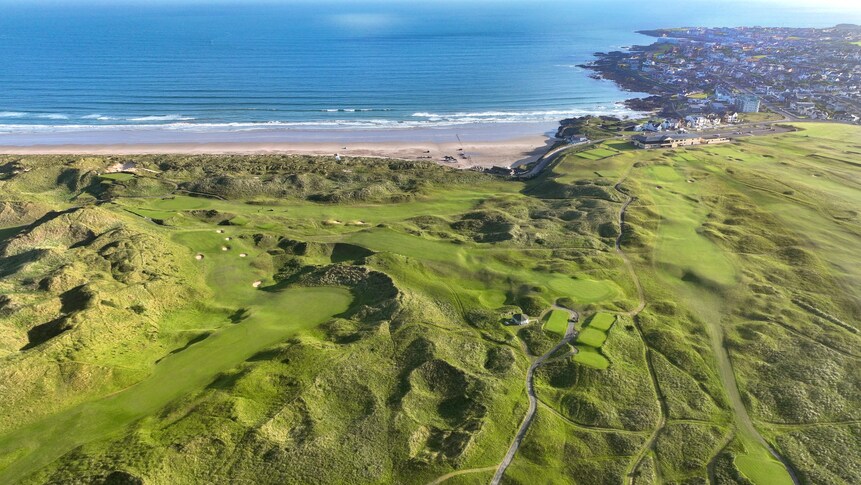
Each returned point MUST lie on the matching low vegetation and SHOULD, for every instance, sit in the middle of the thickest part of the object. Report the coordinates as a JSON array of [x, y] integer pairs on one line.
[[278, 319]]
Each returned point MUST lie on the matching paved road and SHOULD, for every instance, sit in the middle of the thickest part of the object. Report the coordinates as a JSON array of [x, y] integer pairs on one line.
[[570, 333], [550, 156]]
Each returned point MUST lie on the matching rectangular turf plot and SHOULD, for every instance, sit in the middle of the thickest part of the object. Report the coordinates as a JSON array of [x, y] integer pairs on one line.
[[592, 337], [557, 322], [603, 152], [596, 153], [601, 321], [590, 357], [588, 155]]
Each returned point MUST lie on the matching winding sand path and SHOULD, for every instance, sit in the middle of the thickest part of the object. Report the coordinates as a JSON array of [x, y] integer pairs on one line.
[[641, 297], [461, 472], [725, 371]]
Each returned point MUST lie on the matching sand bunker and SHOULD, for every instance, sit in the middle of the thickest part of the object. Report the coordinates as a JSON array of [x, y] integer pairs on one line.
[[220, 231], [224, 248], [242, 255], [122, 167], [228, 238], [257, 284], [198, 257], [332, 222]]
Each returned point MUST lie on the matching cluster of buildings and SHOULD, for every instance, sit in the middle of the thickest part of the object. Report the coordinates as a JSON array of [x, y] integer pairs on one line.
[[798, 72], [689, 123], [675, 140]]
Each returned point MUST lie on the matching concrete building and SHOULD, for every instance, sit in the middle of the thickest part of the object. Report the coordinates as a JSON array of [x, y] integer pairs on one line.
[[747, 104]]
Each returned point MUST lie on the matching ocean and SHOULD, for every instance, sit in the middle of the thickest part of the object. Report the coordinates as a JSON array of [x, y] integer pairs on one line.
[[79, 66]]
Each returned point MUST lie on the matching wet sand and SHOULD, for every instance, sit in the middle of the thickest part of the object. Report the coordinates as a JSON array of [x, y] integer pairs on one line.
[[469, 145]]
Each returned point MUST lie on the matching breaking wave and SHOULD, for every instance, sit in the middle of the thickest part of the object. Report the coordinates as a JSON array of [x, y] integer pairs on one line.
[[181, 123]]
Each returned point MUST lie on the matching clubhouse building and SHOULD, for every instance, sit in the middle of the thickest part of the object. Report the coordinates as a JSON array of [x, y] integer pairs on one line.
[[675, 140]]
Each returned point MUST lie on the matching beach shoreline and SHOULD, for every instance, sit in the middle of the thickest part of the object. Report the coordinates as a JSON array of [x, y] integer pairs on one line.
[[475, 145]]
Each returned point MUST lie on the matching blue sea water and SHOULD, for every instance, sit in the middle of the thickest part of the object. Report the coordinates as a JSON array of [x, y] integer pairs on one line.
[[247, 65]]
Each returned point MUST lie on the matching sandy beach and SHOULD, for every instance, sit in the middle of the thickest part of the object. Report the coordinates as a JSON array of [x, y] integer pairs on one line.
[[468, 145]]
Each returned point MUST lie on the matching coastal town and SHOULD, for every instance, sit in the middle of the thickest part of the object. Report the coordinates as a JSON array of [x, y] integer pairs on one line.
[[704, 76], [710, 85]]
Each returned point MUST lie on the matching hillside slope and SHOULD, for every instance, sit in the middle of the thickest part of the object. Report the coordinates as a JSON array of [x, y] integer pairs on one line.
[[278, 319]]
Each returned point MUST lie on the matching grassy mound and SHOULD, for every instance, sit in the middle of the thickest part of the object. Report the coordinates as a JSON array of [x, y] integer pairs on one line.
[[299, 319]]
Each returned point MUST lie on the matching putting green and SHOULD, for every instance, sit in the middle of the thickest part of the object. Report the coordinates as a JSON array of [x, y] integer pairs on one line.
[[760, 467], [118, 176], [664, 173], [596, 153]]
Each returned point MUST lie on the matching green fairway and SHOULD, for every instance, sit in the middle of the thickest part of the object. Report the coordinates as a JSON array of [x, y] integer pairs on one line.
[[681, 249], [271, 313], [464, 263], [275, 316], [557, 322]]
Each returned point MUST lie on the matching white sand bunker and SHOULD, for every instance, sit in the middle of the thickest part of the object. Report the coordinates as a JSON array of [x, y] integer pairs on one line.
[[224, 248], [690, 181], [332, 222], [243, 255], [257, 284], [122, 167], [220, 231], [198, 257], [228, 238]]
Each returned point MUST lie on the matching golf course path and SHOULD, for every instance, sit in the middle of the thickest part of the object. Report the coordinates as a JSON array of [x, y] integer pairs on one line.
[[724, 365], [641, 304], [570, 334], [461, 472]]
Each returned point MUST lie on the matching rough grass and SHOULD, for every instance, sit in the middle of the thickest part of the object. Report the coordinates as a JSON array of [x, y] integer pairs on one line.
[[155, 364]]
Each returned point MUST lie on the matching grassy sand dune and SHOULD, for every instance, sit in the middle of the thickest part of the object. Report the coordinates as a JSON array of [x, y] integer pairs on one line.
[[286, 319]]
